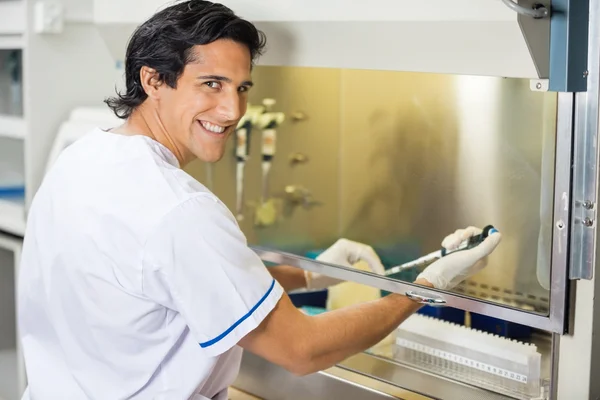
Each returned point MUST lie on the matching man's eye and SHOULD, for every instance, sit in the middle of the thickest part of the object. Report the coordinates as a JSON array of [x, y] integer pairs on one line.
[[243, 89], [212, 84]]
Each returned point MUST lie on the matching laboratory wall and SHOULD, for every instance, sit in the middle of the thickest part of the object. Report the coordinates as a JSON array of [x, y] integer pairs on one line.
[[400, 160], [76, 55]]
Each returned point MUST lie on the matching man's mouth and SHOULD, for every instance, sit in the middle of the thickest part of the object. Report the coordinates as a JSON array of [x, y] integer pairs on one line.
[[213, 128]]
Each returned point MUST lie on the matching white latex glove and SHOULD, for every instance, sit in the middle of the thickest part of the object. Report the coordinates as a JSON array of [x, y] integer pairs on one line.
[[452, 269], [346, 253]]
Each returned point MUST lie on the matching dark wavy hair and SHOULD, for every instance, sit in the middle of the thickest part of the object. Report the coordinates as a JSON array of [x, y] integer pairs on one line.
[[165, 41]]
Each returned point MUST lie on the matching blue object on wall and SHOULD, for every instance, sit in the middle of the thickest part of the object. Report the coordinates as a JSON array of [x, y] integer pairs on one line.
[[569, 45], [12, 191]]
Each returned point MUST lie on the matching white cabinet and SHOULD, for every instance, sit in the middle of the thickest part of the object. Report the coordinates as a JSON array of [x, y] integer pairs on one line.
[[13, 131], [12, 372], [12, 17], [472, 37], [43, 76]]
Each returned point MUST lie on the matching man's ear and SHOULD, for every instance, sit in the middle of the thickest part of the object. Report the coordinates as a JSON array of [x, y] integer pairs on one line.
[[150, 81]]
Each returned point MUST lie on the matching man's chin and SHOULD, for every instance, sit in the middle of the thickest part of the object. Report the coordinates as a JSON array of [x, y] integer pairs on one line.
[[210, 158]]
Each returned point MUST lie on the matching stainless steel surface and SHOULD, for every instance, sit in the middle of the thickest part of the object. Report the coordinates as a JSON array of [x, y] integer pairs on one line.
[[416, 380], [555, 362], [425, 299], [352, 379], [271, 382], [585, 142], [562, 211], [396, 286], [576, 356], [446, 153]]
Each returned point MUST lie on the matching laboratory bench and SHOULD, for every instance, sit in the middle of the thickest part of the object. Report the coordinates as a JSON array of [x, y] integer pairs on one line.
[[371, 375], [363, 376]]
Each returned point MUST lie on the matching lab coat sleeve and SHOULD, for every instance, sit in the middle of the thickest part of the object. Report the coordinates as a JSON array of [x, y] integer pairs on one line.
[[196, 261]]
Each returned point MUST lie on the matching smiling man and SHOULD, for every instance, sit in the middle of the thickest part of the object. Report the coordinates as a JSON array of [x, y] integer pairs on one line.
[[135, 279]]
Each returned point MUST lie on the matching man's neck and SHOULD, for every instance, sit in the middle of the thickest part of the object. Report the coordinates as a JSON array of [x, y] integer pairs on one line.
[[147, 123]]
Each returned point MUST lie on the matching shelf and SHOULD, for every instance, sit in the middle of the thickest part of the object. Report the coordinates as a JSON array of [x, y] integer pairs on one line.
[[9, 384], [12, 17], [12, 216], [12, 127], [10, 42]]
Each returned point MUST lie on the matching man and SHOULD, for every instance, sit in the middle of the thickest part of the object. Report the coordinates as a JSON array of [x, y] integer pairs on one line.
[[136, 281]]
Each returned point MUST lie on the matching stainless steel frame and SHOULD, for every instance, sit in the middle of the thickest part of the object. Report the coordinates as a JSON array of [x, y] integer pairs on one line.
[[585, 164], [555, 321], [575, 365], [431, 296]]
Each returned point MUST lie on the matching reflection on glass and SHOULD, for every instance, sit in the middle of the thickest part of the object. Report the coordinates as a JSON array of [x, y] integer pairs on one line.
[[400, 160], [447, 152]]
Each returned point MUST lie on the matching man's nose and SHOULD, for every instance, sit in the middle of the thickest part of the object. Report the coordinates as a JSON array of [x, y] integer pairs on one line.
[[230, 107]]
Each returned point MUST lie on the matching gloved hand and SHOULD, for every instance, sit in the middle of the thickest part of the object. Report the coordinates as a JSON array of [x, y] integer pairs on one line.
[[452, 269], [344, 252]]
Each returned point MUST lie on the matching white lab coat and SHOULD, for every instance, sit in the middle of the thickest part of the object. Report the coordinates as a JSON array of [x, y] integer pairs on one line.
[[136, 281]]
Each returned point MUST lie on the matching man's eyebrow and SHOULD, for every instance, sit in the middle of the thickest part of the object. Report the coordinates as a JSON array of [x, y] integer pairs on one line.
[[223, 79]]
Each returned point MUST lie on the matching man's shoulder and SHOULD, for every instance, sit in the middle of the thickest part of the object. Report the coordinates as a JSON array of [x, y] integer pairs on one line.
[[201, 218], [199, 207], [123, 176]]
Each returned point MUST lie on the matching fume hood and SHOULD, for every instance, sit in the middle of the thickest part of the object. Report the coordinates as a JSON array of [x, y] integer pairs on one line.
[[545, 42], [465, 37]]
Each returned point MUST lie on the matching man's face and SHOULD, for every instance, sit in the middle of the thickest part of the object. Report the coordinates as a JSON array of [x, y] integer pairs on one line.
[[209, 100]]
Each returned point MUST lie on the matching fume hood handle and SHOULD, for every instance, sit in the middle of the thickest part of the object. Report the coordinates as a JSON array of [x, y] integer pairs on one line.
[[429, 296], [423, 299]]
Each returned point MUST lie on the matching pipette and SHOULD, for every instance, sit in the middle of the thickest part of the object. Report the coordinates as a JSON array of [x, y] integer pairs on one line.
[[436, 255], [242, 147], [268, 122], [242, 153]]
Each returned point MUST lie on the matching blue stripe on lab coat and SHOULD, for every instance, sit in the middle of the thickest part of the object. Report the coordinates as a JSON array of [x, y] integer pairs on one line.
[[239, 321]]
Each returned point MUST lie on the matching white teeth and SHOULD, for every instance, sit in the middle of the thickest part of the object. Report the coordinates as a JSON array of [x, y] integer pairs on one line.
[[212, 127]]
